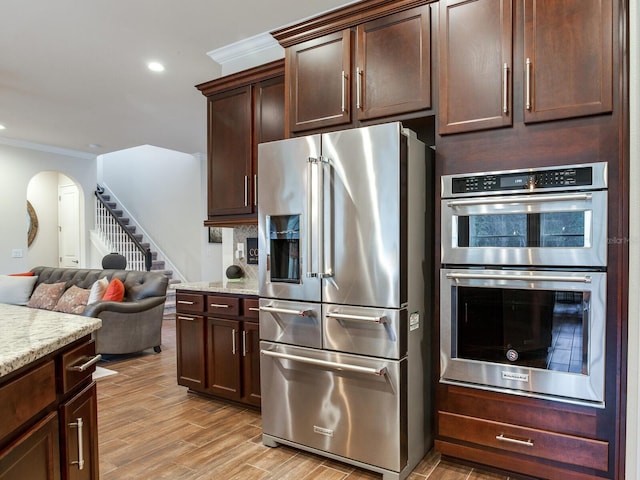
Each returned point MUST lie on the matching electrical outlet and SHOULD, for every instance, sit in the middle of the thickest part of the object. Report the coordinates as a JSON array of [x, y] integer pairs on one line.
[[17, 253]]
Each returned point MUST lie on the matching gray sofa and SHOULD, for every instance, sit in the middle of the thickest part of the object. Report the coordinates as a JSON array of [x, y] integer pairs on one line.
[[132, 325]]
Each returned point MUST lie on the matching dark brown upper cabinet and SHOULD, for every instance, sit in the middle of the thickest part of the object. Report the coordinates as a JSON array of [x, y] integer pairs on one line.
[[243, 110], [475, 65], [363, 62], [565, 71], [568, 47]]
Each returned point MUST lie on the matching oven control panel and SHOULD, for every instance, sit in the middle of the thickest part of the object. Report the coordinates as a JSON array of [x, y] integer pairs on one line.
[[569, 177]]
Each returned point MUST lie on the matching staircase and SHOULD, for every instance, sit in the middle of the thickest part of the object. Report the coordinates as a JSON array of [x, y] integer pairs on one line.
[[121, 242]]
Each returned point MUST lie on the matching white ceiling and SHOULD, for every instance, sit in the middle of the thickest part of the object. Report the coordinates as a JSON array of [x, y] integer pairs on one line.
[[73, 72]]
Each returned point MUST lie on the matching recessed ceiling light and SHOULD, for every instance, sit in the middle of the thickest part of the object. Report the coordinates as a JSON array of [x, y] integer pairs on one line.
[[155, 66], [95, 145], [2, 127]]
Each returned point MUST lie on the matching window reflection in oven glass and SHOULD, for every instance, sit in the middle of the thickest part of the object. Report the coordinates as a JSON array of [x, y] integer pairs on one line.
[[534, 328], [549, 230]]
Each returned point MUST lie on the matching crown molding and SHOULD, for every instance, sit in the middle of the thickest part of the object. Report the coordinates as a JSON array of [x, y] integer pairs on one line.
[[47, 148]]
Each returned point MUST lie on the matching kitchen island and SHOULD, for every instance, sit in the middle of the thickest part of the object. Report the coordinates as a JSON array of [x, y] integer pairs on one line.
[[47, 396], [217, 340]]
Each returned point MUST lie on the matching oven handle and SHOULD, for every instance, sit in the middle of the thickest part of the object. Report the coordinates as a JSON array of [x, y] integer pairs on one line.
[[537, 278], [325, 363], [361, 318], [528, 199]]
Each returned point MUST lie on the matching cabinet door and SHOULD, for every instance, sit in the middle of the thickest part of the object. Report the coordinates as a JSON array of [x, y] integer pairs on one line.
[[568, 58], [229, 162], [475, 45], [35, 455], [393, 73], [79, 425], [319, 82], [251, 363], [268, 122], [190, 346], [223, 357]]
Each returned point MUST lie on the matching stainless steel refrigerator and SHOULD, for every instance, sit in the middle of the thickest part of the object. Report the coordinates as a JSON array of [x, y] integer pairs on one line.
[[345, 316]]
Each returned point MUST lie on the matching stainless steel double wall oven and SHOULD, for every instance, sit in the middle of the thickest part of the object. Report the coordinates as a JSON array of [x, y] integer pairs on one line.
[[523, 281]]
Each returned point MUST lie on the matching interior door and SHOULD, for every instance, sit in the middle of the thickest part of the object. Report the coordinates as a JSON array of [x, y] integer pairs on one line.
[[69, 226]]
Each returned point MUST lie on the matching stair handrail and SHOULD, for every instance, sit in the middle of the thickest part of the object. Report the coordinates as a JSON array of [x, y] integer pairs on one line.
[[148, 260]]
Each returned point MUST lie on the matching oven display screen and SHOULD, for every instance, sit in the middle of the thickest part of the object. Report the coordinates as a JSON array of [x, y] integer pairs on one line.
[[514, 181]]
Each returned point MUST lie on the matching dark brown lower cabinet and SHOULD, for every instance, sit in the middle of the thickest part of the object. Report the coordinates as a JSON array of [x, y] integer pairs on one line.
[[218, 351], [35, 455], [79, 426], [49, 418]]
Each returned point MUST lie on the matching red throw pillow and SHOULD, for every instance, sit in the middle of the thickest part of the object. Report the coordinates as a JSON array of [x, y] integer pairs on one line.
[[115, 291], [25, 274]]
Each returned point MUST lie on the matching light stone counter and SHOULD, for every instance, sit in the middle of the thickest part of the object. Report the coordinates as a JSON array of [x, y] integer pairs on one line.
[[244, 287], [28, 334]]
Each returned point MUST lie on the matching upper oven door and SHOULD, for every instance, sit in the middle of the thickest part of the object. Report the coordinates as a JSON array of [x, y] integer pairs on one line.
[[559, 229]]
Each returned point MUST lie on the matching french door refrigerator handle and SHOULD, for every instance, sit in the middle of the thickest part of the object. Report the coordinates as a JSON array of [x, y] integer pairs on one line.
[[325, 363], [322, 260], [286, 311], [310, 162], [521, 199], [361, 318]]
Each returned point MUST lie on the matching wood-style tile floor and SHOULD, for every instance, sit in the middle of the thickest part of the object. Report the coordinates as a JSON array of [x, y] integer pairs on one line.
[[152, 428]]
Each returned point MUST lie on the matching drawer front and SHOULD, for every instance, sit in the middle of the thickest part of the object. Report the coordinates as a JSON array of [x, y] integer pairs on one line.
[[77, 365], [567, 449], [26, 396], [250, 308], [189, 302], [221, 305]]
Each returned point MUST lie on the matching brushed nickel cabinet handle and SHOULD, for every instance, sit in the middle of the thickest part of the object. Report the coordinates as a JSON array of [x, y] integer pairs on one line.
[[343, 79], [246, 190], [87, 364], [525, 443], [190, 319], [254, 309], [233, 341], [528, 94], [255, 190], [219, 305], [359, 88], [244, 343], [80, 462], [505, 88], [186, 302]]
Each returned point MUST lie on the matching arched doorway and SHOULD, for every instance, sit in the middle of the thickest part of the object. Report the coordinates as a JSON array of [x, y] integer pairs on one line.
[[57, 201]]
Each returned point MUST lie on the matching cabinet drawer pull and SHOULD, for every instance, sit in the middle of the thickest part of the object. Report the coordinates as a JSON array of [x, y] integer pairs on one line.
[[254, 309], [219, 305], [190, 319], [80, 462], [525, 443], [186, 302], [87, 364]]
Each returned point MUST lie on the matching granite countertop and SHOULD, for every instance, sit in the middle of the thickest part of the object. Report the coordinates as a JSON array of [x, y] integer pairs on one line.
[[29, 334], [244, 287]]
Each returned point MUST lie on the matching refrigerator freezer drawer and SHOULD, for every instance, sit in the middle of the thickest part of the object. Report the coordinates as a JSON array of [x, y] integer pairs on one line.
[[295, 323], [347, 405], [365, 331]]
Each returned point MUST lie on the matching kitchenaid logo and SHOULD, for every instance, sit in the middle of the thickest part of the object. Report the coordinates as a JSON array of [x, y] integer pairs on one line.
[[323, 431], [519, 377]]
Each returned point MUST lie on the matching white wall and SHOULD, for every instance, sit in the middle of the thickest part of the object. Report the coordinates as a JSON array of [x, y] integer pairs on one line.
[[19, 163], [633, 387], [165, 193]]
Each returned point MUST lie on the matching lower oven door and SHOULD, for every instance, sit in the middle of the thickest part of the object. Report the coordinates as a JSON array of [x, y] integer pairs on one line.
[[348, 405], [540, 333]]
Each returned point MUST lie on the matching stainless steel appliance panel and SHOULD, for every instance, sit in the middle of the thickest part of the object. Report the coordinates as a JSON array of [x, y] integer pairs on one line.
[[348, 405], [288, 187], [289, 322], [584, 386], [512, 247], [367, 331], [362, 212]]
